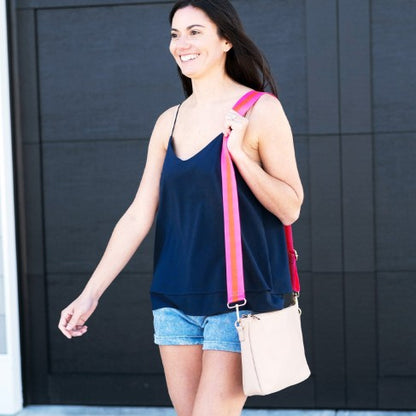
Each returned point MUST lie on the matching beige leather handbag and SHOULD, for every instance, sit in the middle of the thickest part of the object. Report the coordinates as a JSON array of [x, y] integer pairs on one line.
[[272, 352]]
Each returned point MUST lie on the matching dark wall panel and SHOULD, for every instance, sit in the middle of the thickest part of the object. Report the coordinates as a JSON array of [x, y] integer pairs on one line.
[[104, 71], [358, 203], [397, 348], [87, 187], [397, 393], [283, 43], [109, 347], [322, 66], [28, 85], [35, 370], [43, 4], [35, 245], [361, 360], [395, 156], [326, 221], [328, 337], [394, 63], [142, 389], [354, 65]]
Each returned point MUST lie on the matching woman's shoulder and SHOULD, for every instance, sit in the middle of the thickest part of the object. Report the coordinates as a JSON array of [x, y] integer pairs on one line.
[[268, 102], [164, 122], [163, 128], [267, 108], [167, 116]]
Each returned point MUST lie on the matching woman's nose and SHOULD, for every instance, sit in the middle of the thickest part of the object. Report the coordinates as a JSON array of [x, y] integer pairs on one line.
[[182, 42]]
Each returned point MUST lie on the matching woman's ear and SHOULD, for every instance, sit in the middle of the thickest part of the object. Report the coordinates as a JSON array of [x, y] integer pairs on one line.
[[227, 46]]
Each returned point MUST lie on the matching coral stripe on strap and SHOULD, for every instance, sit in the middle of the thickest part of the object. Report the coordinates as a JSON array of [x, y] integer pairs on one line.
[[232, 228]]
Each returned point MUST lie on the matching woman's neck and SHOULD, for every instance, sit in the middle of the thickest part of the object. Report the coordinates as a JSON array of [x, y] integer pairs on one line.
[[208, 90]]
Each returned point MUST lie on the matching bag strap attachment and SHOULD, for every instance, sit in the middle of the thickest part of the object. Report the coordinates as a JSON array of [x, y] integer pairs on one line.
[[232, 228]]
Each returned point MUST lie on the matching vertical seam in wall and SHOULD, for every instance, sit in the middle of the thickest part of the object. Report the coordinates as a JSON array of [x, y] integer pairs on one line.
[[373, 146], [341, 184], [308, 138], [42, 197]]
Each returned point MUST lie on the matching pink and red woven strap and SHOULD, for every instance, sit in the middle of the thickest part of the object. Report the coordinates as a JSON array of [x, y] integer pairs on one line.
[[232, 228]]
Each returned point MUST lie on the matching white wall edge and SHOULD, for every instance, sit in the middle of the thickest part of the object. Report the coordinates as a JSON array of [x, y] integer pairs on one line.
[[11, 399]]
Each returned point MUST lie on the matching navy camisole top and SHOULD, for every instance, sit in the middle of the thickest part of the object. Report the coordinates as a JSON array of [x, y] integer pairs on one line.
[[189, 255]]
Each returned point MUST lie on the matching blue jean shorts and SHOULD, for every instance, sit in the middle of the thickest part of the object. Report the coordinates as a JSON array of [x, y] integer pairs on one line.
[[215, 332]]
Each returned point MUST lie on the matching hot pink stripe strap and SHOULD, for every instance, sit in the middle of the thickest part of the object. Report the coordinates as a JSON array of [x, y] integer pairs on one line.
[[293, 258], [232, 228]]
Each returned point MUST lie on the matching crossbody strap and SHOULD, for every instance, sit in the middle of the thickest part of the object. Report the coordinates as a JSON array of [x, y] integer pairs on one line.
[[232, 229]]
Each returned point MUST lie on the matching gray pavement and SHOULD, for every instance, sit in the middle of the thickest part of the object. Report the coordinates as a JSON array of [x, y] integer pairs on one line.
[[162, 411]]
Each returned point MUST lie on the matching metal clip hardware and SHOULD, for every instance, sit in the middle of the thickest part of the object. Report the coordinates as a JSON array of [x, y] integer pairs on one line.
[[237, 305], [245, 316], [250, 315], [232, 305]]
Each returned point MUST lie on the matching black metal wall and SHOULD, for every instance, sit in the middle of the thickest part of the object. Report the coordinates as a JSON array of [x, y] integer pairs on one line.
[[90, 78]]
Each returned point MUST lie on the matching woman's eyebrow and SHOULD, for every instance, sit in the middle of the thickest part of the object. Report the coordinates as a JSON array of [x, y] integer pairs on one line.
[[188, 28]]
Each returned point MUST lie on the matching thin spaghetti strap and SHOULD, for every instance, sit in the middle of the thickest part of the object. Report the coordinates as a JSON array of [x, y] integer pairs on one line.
[[174, 121]]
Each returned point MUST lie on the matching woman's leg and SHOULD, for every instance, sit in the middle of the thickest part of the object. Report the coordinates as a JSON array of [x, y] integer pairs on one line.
[[183, 366], [220, 390]]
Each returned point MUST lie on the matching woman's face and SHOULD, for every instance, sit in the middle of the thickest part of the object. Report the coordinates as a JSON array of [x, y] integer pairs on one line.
[[195, 44]]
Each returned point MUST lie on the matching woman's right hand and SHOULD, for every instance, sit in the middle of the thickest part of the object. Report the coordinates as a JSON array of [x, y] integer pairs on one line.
[[74, 316]]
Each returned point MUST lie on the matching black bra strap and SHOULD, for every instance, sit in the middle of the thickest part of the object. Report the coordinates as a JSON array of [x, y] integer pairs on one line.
[[174, 121]]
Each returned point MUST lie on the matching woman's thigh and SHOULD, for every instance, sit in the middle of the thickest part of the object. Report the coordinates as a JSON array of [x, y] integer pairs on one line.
[[220, 390], [202, 363], [183, 366]]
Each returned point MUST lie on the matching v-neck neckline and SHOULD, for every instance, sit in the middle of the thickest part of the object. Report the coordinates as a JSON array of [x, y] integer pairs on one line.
[[195, 154]]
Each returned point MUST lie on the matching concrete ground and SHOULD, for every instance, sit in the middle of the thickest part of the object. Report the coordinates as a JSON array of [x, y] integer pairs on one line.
[[161, 411]]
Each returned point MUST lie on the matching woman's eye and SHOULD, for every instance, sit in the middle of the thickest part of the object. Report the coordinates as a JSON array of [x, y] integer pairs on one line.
[[194, 32], [173, 35]]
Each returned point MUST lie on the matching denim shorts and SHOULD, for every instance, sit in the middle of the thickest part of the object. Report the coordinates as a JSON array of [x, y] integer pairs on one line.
[[215, 332]]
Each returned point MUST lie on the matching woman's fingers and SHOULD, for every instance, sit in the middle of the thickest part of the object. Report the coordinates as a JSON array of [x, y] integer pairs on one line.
[[75, 322], [235, 128], [232, 120], [71, 324], [235, 122], [79, 330], [74, 316], [63, 322]]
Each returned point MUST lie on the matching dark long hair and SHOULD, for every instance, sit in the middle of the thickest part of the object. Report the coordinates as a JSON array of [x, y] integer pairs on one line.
[[245, 63]]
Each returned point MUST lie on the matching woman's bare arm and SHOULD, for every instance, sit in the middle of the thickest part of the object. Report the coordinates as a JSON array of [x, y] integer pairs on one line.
[[127, 235], [267, 160]]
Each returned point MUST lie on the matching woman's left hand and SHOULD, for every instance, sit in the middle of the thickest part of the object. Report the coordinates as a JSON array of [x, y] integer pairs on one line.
[[235, 126]]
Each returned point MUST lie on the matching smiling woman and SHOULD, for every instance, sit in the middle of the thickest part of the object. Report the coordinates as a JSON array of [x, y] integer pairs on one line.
[[181, 188]]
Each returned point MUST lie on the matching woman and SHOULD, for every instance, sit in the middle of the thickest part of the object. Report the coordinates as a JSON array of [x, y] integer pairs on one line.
[[195, 331]]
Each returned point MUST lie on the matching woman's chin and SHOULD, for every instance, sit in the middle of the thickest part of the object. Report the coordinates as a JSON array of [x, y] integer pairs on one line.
[[187, 73]]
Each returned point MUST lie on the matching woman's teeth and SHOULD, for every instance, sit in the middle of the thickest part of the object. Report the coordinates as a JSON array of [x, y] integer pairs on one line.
[[186, 58]]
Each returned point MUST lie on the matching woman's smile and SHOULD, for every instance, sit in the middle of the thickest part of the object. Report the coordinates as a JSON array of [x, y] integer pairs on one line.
[[188, 57]]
